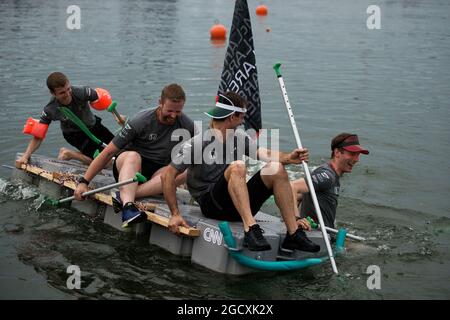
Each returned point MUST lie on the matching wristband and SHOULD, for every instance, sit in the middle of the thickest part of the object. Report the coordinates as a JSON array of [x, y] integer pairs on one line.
[[83, 180]]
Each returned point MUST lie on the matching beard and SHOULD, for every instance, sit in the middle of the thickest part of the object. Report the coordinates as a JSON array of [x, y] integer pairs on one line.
[[169, 119]]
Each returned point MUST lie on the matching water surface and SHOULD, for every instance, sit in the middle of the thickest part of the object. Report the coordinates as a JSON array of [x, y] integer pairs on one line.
[[390, 86]]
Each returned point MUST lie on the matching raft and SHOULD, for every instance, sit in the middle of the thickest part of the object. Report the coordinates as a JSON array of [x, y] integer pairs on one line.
[[203, 242]]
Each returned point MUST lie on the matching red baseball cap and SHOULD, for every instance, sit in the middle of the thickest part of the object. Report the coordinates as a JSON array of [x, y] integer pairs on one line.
[[350, 143]]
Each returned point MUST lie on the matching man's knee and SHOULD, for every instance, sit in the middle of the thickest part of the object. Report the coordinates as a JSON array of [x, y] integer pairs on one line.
[[274, 169], [237, 168], [128, 158], [181, 177], [132, 157]]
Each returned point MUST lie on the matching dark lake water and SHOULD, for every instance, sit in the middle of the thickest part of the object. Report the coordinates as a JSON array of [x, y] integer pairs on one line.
[[390, 86]]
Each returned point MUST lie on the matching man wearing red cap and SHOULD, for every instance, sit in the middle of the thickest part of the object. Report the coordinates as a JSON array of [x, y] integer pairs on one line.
[[345, 151]]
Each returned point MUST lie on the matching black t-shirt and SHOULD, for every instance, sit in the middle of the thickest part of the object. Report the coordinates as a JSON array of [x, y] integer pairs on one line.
[[81, 96], [326, 184], [207, 158]]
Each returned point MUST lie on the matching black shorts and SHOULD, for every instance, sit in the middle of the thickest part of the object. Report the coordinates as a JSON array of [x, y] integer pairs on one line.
[[85, 144], [217, 203], [148, 168]]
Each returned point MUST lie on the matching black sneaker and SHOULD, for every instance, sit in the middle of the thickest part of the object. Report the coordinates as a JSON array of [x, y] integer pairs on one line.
[[299, 241], [254, 239]]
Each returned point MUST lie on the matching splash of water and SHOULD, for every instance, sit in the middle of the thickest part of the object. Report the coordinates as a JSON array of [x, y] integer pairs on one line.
[[17, 191]]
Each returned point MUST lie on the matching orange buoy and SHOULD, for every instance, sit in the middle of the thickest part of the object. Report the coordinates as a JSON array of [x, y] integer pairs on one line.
[[218, 32], [104, 99], [261, 10]]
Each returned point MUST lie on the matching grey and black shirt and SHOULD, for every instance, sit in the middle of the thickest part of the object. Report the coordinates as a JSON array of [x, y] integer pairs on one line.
[[326, 184], [150, 138], [81, 96], [207, 158]]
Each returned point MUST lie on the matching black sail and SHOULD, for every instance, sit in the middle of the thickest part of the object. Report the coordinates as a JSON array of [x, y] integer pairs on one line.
[[239, 72]]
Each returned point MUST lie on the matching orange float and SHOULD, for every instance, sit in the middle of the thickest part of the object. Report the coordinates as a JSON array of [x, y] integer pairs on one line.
[[35, 128], [218, 32], [261, 10], [104, 99]]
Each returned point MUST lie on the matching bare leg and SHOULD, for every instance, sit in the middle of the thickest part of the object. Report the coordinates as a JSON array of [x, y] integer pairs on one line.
[[67, 154], [297, 199], [235, 175], [128, 163], [294, 195], [298, 188], [154, 185], [278, 181]]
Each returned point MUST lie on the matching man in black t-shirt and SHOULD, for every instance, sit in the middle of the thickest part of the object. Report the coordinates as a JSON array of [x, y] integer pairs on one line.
[[77, 99], [216, 177], [345, 151]]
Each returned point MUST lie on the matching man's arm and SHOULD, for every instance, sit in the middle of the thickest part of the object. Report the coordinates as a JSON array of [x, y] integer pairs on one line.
[[35, 142], [268, 155], [295, 157], [32, 147], [170, 195], [97, 164], [321, 179], [101, 161], [300, 186], [90, 94]]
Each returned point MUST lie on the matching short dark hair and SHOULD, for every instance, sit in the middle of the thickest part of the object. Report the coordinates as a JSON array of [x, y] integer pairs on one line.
[[56, 80], [237, 99], [173, 92], [337, 140]]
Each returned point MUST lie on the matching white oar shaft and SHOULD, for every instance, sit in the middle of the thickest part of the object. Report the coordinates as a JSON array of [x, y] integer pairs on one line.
[[110, 186], [348, 235], [307, 173]]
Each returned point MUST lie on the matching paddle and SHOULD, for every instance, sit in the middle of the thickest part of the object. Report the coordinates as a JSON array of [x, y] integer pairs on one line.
[[138, 178], [112, 109], [305, 166], [80, 124], [349, 235]]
